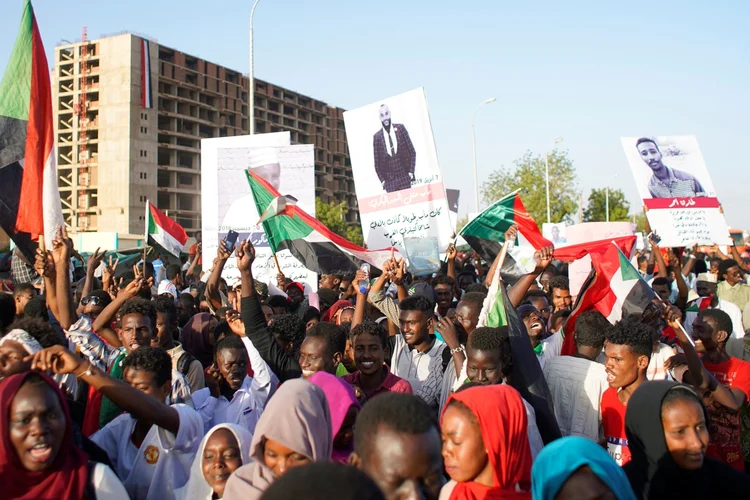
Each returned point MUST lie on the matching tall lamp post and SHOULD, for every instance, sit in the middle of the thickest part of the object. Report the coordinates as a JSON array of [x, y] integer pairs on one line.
[[474, 151], [251, 94], [546, 177], [606, 201]]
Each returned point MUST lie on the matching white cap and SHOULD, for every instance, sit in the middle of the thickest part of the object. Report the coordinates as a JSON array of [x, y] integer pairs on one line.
[[260, 157], [707, 277], [167, 286]]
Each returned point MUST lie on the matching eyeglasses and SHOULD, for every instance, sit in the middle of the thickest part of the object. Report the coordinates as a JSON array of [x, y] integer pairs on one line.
[[93, 300]]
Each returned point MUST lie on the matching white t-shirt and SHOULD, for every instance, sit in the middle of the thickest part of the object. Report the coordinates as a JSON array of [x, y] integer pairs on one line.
[[656, 369], [106, 484], [551, 347], [576, 386], [161, 464]]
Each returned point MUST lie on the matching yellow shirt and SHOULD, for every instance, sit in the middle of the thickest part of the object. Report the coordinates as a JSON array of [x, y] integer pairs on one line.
[[738, 294]]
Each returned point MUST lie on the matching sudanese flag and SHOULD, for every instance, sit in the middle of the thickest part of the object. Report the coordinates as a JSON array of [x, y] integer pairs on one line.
[[29, 196]]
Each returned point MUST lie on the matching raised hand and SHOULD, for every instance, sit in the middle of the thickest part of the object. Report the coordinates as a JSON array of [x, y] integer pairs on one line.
[[448, 331], [360, 275], [213, 380], [398, 271], [543, 258], [510, 234], [62, 246], [222, 253], [56, 359], [44, 264], [235, 323], [245, 256], [108, 273], [451, 252], [95, 260]]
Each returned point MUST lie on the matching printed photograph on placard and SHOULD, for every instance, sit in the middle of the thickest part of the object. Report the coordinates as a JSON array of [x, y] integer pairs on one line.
[[396, 172], [668, 167], [556, 233]]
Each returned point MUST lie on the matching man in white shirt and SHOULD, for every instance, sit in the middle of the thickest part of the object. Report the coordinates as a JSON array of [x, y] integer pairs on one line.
[[153, 445], [577, 382], [706, 286], [231, 396]]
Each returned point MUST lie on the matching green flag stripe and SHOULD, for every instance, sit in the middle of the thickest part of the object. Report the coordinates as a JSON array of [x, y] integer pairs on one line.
[[15, 89], [627, 271], [494, 221], [281, 227]]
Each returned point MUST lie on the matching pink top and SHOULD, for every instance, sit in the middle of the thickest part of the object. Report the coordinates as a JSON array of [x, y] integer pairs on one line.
[[392, 383]]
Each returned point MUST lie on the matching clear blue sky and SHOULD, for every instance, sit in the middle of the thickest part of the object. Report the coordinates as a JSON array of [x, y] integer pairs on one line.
[[589, 71]]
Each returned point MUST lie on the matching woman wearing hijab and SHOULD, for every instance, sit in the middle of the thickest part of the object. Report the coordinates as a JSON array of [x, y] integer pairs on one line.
[[37, 464], [485, 445], [666, 426], [224, 449], [331, 315], [295, 429], [344, 408], [573, 467], [197, 338]]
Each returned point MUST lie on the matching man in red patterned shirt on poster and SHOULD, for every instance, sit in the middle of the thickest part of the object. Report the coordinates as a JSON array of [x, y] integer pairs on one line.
[[722, 381]]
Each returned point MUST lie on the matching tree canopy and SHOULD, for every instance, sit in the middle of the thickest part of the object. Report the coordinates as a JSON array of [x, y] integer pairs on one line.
[[596, 210], [528, 175], [333, 216]]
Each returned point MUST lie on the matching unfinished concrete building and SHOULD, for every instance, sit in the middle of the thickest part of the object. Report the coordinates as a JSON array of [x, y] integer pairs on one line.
[[118, 146]]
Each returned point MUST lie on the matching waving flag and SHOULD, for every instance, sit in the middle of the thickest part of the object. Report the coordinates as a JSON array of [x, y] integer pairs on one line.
[[29, 195], [320, 250], [163, 231]]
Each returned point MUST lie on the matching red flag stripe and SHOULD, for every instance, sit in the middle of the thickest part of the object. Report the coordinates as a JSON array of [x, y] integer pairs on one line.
[[527, 226], [39, 141], [173, 228]]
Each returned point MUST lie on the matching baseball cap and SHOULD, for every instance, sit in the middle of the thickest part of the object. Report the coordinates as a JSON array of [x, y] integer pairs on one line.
[[423, 289], [167, 286]]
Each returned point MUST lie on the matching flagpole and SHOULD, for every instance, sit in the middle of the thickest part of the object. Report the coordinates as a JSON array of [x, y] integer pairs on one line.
[[276, 260], [145, 237]]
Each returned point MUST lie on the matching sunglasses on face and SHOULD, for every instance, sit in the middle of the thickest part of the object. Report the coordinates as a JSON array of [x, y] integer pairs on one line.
[[91, 299]]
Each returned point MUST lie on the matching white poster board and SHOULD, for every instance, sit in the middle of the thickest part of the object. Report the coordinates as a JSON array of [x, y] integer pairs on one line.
[[396, 172], [228, 204], [677, 190], [578, 270]]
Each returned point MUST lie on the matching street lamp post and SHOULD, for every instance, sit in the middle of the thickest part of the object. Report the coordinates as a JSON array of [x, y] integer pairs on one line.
[[251, 93], [546, 177], [474, 152], [606, 201]]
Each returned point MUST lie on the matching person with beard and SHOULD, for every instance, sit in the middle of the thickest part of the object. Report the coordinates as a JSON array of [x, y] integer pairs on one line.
[[628, 349], [393, 153], [232, 396], [577, 382], [559, 294], [369, 341], [706, 286], [666, 182], [545, 347]]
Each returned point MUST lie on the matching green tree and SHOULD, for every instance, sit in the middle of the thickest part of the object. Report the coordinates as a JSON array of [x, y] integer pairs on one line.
[[596, 210], [460, 223], [333, 216], [528, 175]]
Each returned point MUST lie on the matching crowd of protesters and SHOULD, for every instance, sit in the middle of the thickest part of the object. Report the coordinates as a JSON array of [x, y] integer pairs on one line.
[[162, 381]]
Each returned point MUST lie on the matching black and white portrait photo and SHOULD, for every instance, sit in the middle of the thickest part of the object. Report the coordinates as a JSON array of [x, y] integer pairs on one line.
[[668, 167], [393, 152], [666, 182]]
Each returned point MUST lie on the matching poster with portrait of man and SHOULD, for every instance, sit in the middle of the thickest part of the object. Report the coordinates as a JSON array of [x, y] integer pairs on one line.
[[290, 169], [677, 190], [556, 233], [396, 172]]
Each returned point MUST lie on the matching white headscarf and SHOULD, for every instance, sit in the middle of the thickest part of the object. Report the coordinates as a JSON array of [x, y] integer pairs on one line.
[[197, 488], [29, 343]]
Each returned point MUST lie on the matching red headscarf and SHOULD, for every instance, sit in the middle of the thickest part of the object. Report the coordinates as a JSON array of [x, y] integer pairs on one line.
[[68, 474], [502, 419], [330, 315]]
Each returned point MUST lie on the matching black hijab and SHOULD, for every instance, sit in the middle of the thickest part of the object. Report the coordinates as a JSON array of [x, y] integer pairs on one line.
[[652, 472]]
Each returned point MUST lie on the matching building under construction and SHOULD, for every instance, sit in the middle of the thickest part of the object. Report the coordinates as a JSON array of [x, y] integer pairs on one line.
[[119, 145]]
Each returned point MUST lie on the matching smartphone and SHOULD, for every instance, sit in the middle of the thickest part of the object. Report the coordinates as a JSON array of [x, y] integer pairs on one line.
[[654, 237], [230, 240]]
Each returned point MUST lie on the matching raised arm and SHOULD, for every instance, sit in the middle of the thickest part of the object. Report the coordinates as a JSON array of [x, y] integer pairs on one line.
[[517, 292], [44, 265], [682, 287], [256, 329], [60, 361], [212, 285], [656, 252], [88, 286], [361, 304], [62, 250], [194, 262]]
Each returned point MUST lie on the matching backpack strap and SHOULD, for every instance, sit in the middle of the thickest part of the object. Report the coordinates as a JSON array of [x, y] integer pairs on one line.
[[183, 364]]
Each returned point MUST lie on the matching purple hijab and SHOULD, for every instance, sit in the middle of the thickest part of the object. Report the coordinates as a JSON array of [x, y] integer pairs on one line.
[[340, 398]]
